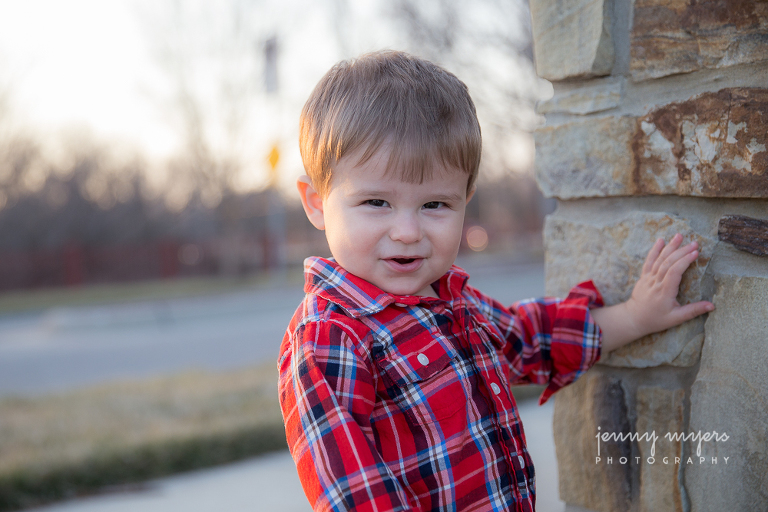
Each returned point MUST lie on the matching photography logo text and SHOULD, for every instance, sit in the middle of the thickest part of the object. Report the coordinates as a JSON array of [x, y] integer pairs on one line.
[[652, 438]]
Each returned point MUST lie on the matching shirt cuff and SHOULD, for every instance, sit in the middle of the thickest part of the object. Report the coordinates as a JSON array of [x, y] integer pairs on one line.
[[576, 338]]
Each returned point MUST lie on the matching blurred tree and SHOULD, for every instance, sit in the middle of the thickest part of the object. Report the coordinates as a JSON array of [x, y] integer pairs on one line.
[[88, 197], [211, 54], [18, 152]]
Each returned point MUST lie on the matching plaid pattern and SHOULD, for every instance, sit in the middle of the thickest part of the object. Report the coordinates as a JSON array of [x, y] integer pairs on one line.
[[403, 403]]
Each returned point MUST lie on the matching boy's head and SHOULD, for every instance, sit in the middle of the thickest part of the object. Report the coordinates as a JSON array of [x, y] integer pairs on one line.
[[422, 112], [391, 146]]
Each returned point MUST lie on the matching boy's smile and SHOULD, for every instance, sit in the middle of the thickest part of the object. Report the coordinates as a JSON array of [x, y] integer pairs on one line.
[[396, 235]]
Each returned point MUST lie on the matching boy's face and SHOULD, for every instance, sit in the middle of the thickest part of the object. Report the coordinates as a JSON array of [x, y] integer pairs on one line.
[[398, 236]]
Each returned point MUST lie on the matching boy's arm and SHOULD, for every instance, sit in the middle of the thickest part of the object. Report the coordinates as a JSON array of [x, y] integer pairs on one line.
[[653, 305], [547, 341], [327, 394]]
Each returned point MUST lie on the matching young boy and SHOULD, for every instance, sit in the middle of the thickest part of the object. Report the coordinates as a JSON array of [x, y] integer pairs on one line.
[[395, 374]]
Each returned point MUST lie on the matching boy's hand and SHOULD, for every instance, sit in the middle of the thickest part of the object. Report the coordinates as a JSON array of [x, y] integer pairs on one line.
[[653, 305]]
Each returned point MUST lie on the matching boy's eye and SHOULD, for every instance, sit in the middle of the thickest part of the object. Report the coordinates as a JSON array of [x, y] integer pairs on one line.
[[378, 203], [433, 205]]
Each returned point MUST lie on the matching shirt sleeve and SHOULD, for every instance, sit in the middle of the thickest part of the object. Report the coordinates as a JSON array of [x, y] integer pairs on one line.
[[327, 395], [549, 341]]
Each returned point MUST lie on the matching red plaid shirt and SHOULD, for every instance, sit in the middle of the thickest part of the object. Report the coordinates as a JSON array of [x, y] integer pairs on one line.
[[404, 403]]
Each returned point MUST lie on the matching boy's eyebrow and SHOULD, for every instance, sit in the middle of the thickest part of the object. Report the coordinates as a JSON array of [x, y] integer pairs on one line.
[[432, 197], [371, 192], [447, 197]]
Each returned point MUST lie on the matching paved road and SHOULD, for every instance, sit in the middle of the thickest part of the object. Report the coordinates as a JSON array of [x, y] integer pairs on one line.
[[69, 347], [269, 483], [64, 348]]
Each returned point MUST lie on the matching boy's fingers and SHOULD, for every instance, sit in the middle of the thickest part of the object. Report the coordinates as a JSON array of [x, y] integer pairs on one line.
[[691, 311], [667, 250], [653, 255], [678, 262], [678, 254]]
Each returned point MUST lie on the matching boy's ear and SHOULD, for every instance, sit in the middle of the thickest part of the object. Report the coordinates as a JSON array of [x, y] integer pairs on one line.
[[311, 201], [471, 192]]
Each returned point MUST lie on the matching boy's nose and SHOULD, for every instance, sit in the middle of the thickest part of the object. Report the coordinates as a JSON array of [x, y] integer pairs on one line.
[[406, 229]]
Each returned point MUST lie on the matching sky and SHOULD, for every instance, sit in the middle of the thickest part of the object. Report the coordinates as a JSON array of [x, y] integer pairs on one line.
[[82, 63], [92, 65]]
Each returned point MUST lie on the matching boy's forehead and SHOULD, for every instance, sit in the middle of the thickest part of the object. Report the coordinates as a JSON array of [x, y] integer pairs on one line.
[[377, 168], [445, 183]]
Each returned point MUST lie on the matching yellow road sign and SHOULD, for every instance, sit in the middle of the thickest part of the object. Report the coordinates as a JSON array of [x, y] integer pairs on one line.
[[273, 159]]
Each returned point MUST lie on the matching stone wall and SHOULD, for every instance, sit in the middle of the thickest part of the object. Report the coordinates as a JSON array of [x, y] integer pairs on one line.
[[658, 125]]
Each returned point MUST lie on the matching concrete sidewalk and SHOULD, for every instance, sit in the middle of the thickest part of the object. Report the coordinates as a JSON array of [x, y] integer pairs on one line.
[[269, 483]]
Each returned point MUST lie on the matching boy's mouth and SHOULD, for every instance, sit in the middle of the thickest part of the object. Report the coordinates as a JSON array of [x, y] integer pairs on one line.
[[403, 264]]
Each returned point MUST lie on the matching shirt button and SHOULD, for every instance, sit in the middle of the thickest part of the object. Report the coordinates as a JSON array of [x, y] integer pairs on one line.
[[496, 389], [400, 305], [520, 459], [423, 359]]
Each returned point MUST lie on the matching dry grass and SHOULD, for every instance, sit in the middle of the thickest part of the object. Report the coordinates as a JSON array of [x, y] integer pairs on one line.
[[57, 446]]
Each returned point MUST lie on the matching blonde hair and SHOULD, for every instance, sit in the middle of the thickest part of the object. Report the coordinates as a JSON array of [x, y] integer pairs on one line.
[[423, 112]]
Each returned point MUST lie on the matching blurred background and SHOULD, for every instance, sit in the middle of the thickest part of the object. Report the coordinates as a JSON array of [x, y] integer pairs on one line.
[[151, 239]]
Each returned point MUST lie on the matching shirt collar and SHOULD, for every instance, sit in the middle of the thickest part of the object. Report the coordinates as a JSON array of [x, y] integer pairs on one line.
[[327, 279]]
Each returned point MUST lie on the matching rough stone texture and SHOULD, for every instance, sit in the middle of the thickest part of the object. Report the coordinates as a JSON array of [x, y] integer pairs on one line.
[[611, 251], [572, 38], [595, 400], [648, 158], [576, 508], [730, 395], [585, 158], [679, 36], [582, 101], [660, 411], [744, 233], [713, 145]]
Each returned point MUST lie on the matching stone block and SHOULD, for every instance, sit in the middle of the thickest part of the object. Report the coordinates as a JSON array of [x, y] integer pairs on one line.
[[595, 400], [584, 100], [730, 395], [659, 411], [670, 37], [585, 158], [744, 233], [572, 38], [611, 251], [712, 145]]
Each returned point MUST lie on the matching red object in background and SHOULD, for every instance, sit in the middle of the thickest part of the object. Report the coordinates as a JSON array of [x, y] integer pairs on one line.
[[169, 259], [73, 265]]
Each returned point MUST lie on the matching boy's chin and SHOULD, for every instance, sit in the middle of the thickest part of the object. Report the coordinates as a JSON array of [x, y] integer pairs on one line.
[[414, 290]]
